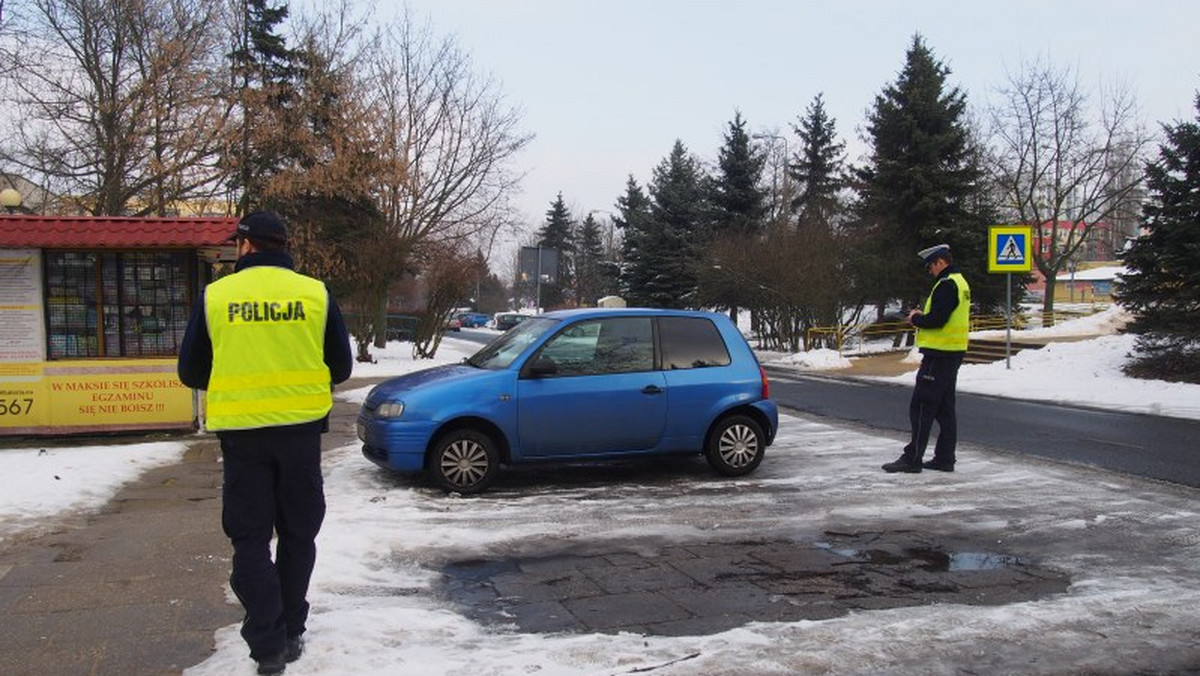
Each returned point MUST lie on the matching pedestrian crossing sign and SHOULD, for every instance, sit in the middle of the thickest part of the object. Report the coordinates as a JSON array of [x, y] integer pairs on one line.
[[1009, 248]]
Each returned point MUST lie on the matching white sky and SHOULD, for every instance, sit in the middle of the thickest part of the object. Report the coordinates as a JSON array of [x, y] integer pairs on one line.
[[383, 537], [608, 85]]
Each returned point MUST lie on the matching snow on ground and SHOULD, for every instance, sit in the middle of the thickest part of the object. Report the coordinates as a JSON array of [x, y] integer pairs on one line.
[[44, 481], [1081, 366], [384, 538]]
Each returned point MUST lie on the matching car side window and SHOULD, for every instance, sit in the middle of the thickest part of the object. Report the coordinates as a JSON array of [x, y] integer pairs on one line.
[[691, 342], [616, 345]]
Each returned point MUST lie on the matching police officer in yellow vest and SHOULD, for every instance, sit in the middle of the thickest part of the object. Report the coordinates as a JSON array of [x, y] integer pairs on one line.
[[942, 338], [267, 344]]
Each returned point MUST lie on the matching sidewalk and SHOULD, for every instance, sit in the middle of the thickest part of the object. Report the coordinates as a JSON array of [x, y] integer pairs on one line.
[[878, 364], [136, 589]]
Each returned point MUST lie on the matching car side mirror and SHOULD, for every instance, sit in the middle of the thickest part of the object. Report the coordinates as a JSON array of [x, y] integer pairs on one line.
[[541, 368]]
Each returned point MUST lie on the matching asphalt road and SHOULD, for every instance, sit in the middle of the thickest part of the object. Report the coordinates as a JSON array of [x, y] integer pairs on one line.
[[1147, 446]]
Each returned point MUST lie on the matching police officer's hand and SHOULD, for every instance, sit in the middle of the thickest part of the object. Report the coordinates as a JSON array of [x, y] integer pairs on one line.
[[911, 314]]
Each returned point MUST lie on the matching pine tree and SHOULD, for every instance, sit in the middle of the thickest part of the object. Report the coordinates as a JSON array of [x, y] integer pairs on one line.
[[739, 203], [590, 271], [267, 73], [818, 168], [922, 187], [677, 231], [1162, 289], [819, 241], [634, 221], [738, 210], [556, 234]]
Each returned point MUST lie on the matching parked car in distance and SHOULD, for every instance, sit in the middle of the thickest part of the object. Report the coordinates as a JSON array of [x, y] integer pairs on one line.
[[472, 320], [504, 321], [452, 324], [576, 385]]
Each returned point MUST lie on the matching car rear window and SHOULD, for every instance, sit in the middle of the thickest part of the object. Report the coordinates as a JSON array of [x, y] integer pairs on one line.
[[691, 342]]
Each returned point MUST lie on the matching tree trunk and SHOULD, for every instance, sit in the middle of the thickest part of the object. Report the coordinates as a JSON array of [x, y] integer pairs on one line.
[[1048, 301]]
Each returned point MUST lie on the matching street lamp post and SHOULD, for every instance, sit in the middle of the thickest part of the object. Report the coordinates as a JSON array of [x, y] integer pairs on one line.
[[778, 188], [612, 235]]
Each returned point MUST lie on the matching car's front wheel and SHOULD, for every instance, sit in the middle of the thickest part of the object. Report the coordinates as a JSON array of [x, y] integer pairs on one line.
[[464, 461], [736, 445]]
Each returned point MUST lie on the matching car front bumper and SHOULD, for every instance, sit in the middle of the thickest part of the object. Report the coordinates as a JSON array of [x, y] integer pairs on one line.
[[393, 444]]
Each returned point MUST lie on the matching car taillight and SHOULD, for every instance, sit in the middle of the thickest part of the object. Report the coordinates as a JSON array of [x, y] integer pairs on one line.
[[766, 385]]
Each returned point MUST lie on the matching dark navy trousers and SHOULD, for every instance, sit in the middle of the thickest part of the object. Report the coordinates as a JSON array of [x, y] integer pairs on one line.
[[933, 401], [273, 486]]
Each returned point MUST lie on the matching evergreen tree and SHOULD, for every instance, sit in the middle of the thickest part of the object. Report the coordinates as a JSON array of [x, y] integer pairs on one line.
[[590, 271], [634, 221], [819, 243], [738, 210], [1162, 289], [677, 232], [922, 187], [556, 233], [739, 203], [818, 168], [267, 73]]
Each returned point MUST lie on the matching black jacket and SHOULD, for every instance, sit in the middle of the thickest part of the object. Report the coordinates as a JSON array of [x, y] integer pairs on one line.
[[196, 351], [945, 300]]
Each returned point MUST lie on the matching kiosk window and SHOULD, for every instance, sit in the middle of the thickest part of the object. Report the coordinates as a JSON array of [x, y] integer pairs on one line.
[[110, 304]]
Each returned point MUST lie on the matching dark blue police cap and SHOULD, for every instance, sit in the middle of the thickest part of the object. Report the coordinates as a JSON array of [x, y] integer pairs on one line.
[[263, 226]]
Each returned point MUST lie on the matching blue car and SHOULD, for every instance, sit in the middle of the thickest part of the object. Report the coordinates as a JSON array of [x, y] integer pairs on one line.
[[573, 385], [472, 320]]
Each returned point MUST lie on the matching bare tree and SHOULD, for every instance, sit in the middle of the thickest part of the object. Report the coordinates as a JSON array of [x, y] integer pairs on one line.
[[116, 101], [328, 180], [1064, 166], [395, 129], [446, 136], [448, 276]]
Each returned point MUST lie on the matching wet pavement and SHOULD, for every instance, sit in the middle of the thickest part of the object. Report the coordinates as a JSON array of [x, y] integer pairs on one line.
[[706, 588], [137, 588]]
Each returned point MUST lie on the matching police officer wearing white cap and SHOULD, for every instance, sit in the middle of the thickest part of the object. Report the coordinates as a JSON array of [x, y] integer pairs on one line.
[[942, 326]]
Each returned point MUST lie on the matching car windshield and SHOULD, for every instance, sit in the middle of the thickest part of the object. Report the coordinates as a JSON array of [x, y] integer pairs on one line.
[[500, 353]]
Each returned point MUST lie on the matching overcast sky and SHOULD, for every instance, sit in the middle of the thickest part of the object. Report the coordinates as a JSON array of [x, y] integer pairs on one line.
[[608, 85]]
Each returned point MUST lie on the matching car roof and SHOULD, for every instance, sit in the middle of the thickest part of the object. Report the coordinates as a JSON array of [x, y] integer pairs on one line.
[[582, 313]]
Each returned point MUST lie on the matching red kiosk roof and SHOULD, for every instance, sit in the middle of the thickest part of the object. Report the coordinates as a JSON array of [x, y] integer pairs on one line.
[[112, 232]]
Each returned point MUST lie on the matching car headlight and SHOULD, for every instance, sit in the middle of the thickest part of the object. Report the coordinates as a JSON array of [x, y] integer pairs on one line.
[[390, 409]]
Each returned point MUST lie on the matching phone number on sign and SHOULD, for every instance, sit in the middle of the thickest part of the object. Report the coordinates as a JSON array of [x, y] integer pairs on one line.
[[16, 406]]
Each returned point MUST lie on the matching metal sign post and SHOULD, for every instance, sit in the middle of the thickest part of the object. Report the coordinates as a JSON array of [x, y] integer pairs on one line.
[[1008, 252], [1008, 320]]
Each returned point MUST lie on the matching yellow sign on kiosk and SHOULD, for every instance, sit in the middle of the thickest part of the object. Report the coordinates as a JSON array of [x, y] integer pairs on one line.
[[92, 396], [1010, 248]]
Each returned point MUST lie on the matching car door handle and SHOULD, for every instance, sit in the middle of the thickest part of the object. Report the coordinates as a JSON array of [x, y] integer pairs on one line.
[[652, 389]]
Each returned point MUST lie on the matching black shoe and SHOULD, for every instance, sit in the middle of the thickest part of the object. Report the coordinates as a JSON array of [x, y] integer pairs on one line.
[[903, 465], [273, 665], [295, 648], [938, 465]]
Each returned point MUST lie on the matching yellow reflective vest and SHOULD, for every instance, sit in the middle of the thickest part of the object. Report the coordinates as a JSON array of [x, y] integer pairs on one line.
[[951, 336], [267, 326]]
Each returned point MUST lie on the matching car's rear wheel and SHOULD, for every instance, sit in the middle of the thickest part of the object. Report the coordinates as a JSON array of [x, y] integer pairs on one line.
[[736, 445], [464, 461]]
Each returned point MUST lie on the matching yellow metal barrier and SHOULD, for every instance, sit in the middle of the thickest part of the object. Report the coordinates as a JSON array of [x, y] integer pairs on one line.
[[840, 335]]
